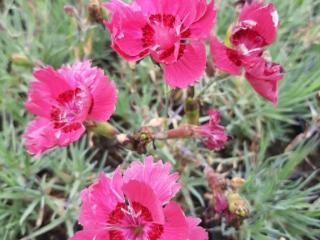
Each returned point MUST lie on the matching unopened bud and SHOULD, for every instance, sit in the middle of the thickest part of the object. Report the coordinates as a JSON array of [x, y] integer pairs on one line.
[[192, 111], [237, 205], [70, 10], [20, 59], [95, 11], [237, 182]]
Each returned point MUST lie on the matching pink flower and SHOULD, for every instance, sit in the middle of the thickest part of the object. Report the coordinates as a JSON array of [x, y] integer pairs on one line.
[[172, 32], [256, 28], [213, 132], [63, 100], [125, 208]]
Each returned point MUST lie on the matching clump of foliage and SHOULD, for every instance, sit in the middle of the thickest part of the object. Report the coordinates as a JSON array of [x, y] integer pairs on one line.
[[275, 150]]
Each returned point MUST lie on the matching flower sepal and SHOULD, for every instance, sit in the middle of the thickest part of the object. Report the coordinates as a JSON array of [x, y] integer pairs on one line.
[[102, 128]]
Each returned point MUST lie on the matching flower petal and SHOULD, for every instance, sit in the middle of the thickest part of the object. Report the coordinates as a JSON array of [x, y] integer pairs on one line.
[[195, 231], [156, 175], [52, 79], [99, 87], [104, 94], [265, 17], [127, 31], [224, 58], [44, 90], [203, 26], [176, 226], [99, 200], [142, 193], [189, 68], [184, 10], [39, 136], [70, 133], [105, 98], [90, 235], [263, 77]]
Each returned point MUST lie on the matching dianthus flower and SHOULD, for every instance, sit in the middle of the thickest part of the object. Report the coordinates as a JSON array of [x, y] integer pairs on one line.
[[171, 32], [136, 205], [256, 28], [214, 134], [63, 100]]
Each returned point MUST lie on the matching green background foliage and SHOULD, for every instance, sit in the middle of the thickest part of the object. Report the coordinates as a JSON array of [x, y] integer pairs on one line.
[[39, 197]]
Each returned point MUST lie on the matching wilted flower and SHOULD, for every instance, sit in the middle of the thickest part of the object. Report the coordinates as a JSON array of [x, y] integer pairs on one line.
[[256, 28], [227, 202], [63, 100], [263, 77], [214, 134], [220, 200], [172, 32], [136, 206]]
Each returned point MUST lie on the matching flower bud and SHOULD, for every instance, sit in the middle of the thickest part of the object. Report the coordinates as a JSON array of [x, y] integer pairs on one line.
[[237, 205], [70, 10], [20, 59], [192, 111], [95, 11], [237, 182]]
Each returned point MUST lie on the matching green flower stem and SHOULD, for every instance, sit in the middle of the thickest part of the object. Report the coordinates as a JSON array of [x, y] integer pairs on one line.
[[102, 128]]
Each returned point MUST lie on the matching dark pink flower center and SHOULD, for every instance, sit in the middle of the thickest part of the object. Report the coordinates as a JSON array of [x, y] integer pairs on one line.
[[166, 19], [148, 34], [247, 41], [131, 222], [234, 56], [163, 35], [65, 114]]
